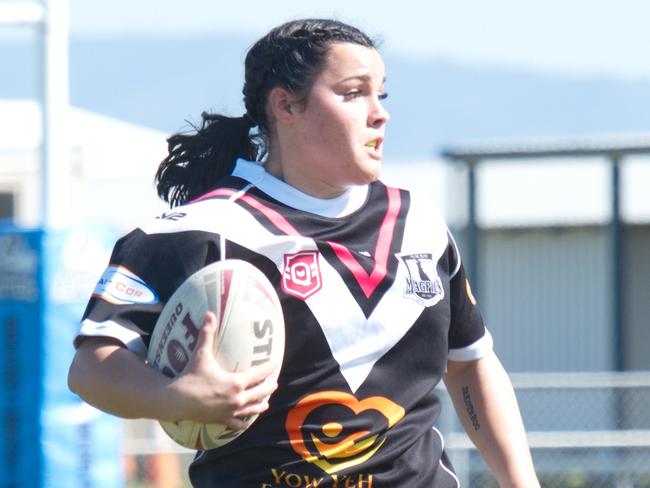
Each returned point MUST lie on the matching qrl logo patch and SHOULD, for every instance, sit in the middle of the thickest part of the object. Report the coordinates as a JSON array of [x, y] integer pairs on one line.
[[301, 277], [422, 283]]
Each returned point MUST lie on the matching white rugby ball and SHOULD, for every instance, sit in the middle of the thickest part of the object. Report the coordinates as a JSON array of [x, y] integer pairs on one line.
[[251, 332]]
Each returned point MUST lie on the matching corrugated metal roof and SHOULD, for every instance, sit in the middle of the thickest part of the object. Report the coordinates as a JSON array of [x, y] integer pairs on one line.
[[613, 145]]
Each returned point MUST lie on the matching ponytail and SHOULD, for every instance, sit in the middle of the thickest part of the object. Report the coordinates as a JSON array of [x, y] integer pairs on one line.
[[197, 161]]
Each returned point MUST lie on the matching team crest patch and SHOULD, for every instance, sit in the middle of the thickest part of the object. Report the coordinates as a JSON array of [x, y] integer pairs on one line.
[[422, 283], [301, 276]]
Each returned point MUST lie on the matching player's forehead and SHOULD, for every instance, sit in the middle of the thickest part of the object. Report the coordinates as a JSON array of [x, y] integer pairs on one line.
[[348, 61]]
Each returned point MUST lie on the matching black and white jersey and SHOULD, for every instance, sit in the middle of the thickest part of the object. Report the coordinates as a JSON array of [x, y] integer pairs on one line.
[[375, 301]]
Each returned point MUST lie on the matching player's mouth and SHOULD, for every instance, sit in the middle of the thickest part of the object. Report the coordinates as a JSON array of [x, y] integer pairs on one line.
[[375, 144]]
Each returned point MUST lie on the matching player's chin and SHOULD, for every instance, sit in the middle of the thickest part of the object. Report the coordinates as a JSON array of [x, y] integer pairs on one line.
[[364, 178], [364, 171], [371, 171]]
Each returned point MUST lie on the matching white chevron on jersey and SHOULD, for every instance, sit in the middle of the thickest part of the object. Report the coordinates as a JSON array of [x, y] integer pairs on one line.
[[356, 343], [347, 330]]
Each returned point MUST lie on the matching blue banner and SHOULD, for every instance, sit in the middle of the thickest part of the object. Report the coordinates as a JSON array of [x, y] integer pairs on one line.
[[21, 304], [48, 436]]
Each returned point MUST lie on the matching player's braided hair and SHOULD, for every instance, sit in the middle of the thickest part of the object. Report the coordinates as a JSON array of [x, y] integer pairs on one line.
[[290, 56]]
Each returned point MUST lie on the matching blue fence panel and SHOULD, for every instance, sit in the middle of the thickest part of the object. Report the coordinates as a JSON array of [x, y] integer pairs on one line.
[[48, 436]]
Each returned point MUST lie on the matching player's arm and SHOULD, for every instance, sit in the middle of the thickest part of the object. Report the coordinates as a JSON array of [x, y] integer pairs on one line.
[[486, 405], [108, 376]]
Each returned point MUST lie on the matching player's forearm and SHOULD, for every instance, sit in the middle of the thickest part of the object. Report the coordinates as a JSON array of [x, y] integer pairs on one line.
[[116, 381], [486, 404]]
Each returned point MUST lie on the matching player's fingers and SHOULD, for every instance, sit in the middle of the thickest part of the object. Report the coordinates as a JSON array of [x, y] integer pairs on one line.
[[235, 423], [257, 374], [254, 409], [205, 342], [255, 395]]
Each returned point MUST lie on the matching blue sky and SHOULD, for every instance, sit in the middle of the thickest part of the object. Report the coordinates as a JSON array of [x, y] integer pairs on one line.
[[573, 37]]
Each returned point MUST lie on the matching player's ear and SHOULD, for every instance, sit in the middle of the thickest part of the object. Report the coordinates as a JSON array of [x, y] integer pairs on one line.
[[282, 105]]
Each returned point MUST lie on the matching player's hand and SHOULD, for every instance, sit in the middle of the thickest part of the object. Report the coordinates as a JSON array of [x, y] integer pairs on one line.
[[207, 393]]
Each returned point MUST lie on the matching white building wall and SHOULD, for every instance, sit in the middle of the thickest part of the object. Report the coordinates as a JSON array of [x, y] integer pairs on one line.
[[546, 297], [635, 187], [111, 170]]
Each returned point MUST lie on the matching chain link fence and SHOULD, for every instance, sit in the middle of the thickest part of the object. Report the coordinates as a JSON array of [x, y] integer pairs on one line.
[[586, 430]]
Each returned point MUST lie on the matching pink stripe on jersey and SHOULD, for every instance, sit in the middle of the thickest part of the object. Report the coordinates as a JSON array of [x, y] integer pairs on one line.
[[275, 217], [219, 192], [369, 282]]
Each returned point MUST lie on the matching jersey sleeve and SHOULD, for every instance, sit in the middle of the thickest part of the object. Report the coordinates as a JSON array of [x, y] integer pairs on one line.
[[469, 339], [143, 272]]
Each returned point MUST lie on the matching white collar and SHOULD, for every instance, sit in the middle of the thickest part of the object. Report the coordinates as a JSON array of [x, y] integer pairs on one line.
[[350, 201]]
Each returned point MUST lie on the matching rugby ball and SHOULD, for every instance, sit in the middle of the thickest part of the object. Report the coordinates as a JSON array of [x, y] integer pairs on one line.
[[251, 332]]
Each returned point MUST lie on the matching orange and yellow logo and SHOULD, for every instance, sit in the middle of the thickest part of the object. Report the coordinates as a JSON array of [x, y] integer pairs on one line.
[[328, 446], [468, 289]]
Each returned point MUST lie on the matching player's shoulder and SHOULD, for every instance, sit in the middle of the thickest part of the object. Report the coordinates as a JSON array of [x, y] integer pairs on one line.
[[200, 214]]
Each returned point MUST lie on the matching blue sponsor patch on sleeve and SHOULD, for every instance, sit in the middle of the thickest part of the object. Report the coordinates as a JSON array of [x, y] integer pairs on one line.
[[120, 286]]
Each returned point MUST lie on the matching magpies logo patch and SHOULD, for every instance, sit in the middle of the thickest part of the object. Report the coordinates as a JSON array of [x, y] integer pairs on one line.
[[422, 281]]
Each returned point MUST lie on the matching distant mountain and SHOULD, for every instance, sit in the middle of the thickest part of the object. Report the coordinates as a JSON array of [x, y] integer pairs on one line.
[[161, 83]]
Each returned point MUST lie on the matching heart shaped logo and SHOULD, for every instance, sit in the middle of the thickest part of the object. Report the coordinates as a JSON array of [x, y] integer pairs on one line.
[[334, 448]]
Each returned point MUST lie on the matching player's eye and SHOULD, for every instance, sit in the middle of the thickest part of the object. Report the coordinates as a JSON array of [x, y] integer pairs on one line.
[[353, 94]]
